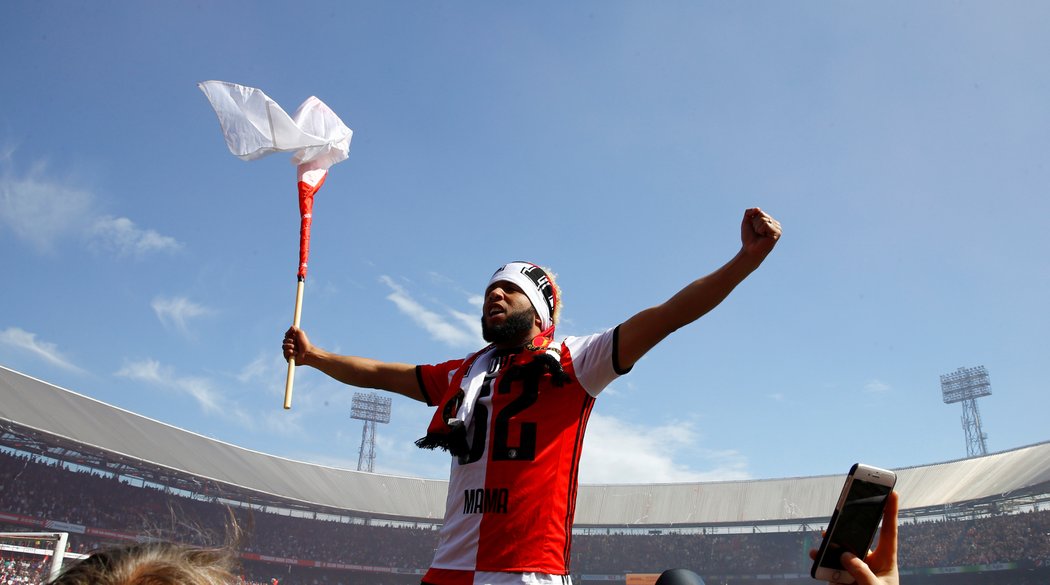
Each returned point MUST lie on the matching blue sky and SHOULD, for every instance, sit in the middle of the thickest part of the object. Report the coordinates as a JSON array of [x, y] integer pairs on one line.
[[904, 146]]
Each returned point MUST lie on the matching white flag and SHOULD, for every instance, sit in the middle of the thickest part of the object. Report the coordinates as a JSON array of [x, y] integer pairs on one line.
[[254, 126]]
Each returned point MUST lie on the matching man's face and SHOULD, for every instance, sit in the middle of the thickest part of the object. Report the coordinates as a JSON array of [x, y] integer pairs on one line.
[[507, 316]]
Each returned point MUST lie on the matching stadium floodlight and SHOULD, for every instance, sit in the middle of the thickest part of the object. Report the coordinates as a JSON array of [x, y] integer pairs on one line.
[[966, 385], [372, 409]]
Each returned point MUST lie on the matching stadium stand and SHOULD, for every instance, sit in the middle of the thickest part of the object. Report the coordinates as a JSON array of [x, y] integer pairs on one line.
[[107, 476]]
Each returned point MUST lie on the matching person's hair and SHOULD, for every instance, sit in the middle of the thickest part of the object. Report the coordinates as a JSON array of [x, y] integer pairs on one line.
[[556, 314], [156, 563], [161, 561]]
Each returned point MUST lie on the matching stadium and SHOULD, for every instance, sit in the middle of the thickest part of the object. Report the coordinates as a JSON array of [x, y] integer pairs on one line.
[[70, 464]]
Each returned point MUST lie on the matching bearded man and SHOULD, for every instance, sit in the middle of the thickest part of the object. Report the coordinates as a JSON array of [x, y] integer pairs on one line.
[[513, 414]]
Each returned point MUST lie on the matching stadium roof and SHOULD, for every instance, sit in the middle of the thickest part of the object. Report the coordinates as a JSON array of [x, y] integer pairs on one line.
[[42, 418]]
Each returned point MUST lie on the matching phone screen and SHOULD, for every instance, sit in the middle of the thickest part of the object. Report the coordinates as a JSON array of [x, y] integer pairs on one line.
[[855, 525]]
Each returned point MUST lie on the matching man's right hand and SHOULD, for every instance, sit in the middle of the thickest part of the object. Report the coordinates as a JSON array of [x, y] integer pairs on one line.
[[296, 345]]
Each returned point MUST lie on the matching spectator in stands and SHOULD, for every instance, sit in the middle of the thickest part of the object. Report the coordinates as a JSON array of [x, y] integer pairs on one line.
[[879, 567], [514, 480], [159, 563]]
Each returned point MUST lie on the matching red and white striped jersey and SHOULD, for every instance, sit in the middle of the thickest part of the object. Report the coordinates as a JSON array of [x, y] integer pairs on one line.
[[511, 500]]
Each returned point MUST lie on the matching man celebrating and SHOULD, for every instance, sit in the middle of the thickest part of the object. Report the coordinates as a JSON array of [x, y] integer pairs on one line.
[[513, 414]]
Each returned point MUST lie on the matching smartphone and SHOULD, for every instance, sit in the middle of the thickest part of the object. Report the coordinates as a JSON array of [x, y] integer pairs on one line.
[[855, 520]]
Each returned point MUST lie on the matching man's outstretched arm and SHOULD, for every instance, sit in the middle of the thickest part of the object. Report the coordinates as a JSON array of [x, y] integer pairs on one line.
[[759, 233], [353, 370]]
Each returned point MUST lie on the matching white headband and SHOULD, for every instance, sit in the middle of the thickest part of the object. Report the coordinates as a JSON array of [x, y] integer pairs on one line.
[[536, 285]]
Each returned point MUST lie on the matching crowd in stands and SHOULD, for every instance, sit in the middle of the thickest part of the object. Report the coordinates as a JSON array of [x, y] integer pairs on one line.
[[784, 552], [996, 539], [46, 490], [19, 571]]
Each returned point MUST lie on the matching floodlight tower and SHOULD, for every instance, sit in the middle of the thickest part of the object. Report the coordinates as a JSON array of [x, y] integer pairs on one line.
[[370, 408], [966, 385]]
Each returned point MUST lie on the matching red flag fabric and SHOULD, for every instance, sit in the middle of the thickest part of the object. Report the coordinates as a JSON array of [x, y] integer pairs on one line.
[[307, 187]]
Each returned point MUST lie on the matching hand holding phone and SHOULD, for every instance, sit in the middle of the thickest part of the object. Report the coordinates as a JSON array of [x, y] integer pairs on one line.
[[854, 522]]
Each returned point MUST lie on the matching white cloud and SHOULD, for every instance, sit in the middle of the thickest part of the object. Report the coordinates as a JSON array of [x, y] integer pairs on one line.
[[43, 211], [457, 332], [265, 377], [876, 387], [200, 389], [276, 421], [471, 322], [617, 452], [27, 341], [121, 236], [145, 371], [260, 369], [175, 311]]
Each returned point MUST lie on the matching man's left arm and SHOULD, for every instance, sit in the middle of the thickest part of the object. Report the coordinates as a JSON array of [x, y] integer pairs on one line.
[[759, 233]]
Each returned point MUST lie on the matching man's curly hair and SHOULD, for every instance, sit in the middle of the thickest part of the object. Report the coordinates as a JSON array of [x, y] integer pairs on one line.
[[556, 315]]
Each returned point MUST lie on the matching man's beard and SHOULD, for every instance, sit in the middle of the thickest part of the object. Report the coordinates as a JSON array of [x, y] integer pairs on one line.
[[513, 329]]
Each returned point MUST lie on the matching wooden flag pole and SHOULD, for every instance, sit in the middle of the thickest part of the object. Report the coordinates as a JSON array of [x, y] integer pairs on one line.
[[320, 140], [291, 361]]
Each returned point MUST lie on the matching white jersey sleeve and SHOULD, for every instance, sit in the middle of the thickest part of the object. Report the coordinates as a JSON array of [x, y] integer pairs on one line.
[[594, 359]]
